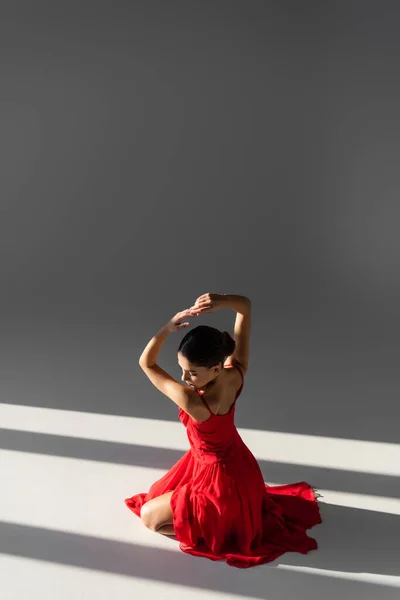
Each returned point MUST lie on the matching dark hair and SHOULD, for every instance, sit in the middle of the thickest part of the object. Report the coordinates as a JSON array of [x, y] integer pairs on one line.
[[206, 346]]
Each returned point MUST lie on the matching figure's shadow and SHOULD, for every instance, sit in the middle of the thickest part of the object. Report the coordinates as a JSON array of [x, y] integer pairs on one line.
[[352, 540]]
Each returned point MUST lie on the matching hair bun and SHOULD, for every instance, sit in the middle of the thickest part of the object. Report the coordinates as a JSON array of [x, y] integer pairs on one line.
[[225, 339], [207, 346], [228, 343]]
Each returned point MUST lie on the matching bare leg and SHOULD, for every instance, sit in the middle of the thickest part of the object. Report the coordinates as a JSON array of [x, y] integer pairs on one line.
[[167, 530], [158, 511]]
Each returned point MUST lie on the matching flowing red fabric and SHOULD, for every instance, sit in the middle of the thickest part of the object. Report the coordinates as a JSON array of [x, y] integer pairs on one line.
[[222, 508]]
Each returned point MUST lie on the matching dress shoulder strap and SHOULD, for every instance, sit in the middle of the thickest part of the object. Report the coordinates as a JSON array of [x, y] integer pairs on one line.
[[204, 402], [241, 375], [237, 394]]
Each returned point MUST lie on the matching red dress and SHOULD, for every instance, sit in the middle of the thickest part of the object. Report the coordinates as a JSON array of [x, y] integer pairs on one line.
[[221, 507]]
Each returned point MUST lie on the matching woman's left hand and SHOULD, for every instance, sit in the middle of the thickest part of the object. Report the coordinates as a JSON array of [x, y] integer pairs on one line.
[[175, 324]]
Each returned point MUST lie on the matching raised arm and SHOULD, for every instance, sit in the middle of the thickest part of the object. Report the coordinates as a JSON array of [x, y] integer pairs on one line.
[[242, 306]]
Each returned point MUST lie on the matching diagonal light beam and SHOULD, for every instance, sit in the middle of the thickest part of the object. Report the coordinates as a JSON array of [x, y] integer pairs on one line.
[[334, 453]]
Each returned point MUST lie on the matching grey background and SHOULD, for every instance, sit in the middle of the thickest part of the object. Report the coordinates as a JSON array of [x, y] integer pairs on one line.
[[155, 151], [152, 152]]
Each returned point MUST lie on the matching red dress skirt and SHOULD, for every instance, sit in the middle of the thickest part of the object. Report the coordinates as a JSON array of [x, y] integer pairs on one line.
[[222, 508]]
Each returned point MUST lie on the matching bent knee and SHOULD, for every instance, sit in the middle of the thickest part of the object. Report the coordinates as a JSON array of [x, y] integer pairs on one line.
[[147, 516]]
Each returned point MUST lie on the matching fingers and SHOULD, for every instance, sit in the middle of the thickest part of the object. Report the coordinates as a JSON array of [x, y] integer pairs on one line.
[[203, 298], [202, 302]]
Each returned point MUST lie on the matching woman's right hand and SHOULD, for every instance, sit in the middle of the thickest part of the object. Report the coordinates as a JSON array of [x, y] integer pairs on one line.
[[207, 303]]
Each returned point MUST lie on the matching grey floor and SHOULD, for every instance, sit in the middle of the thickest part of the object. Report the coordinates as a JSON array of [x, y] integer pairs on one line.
[[66, 533]]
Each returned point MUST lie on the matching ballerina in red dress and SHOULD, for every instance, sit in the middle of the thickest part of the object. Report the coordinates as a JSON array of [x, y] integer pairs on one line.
[[214, 500]]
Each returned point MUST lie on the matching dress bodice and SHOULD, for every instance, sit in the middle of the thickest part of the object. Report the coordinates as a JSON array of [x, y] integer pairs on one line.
[[216, 438]]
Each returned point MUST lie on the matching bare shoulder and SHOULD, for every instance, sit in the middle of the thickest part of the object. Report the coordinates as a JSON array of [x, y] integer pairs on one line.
[[233, 381], [196, 408], [231, 364]]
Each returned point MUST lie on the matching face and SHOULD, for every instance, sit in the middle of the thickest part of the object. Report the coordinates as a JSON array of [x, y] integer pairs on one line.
[[195, 376]]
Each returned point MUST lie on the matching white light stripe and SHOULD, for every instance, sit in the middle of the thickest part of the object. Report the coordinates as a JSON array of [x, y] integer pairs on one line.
[[325, 452], [343, 454], [108, 428], [360, 501], [86, 498], [29, 577], [373, 578], [50, 480], [74, 495]]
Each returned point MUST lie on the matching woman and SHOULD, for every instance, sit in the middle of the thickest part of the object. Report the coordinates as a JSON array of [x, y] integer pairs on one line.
[[214, 500]]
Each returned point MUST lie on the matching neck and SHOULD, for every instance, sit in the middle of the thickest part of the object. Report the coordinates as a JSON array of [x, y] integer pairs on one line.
[[211, 384]]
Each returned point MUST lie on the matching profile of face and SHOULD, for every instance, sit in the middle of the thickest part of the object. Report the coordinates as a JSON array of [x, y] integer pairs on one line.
[[195, 376]]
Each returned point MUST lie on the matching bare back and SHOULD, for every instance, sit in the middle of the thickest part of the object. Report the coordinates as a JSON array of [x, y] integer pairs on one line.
[[220, 400]]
